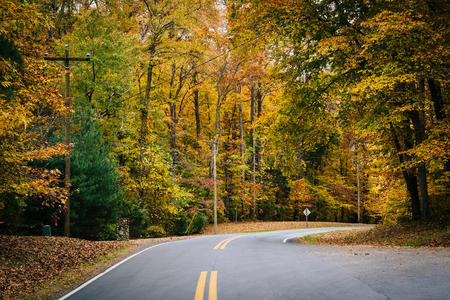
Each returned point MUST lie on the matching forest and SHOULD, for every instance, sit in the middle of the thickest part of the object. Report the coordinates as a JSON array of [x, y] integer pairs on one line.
[[264, 107]]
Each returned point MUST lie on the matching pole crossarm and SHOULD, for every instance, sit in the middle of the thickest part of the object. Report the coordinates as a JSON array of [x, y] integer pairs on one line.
[[61, 58]]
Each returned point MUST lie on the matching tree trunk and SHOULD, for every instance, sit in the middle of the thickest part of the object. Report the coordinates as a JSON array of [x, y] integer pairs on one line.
[[301, 172], [418, 121], [173, 116], [259, 100], [196, 105], [296, 213], [144, 113], [438, 103], [252, 136], [214, 152], [436, 97], [252, 112], [241, 133], [144, 126], [409, 176]]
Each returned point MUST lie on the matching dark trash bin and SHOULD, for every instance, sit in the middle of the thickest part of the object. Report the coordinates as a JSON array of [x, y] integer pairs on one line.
[[46, 230]]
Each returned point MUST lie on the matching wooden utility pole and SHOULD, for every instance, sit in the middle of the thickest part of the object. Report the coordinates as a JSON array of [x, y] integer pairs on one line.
[[353, 148], [215, 186], [213, 144], [357, 183], [67, 103], [252, 135], [241, 132]]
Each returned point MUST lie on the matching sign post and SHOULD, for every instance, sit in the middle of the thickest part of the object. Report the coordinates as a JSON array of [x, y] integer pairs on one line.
[[306, 212]]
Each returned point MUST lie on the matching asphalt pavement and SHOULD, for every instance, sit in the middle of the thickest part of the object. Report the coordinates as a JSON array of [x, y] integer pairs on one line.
[[266, 265]]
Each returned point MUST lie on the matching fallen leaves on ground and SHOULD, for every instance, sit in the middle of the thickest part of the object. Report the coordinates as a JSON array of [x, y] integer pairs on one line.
[[250, 226], [404, 235], [29, 261]]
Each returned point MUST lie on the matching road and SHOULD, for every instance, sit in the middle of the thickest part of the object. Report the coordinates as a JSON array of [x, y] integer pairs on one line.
[[266, 266]]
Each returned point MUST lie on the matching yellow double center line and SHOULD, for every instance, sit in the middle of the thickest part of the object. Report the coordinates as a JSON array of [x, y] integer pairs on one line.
[[225, 242], [200, 290]]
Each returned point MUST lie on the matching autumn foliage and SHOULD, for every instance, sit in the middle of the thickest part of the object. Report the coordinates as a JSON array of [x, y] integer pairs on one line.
[[295, 99], [28, 263]]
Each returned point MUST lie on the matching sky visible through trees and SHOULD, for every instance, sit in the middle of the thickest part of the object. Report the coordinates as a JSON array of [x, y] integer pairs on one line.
[[294, 99]]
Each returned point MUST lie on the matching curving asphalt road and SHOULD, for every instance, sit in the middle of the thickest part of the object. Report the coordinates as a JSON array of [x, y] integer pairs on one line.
[[258, 266]]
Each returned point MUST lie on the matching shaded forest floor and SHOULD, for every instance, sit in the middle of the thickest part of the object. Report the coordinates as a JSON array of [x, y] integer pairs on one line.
[[40, 266], [250, 226], [400, 235]]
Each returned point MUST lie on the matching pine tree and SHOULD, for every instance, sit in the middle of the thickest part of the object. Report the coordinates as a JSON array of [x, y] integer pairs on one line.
[[95, 188]]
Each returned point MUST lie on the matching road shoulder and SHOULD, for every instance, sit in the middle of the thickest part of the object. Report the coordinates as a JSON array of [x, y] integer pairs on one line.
[[397, 272]]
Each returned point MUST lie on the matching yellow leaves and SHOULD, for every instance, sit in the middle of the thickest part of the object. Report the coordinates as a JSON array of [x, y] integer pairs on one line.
[[300, 193], [434, 150], [40, 183], [21, 19], [29, 106], [372, 86], [6, 84], [12, 120], [331, 44], [390, 22], [47, 152], [171, 209]]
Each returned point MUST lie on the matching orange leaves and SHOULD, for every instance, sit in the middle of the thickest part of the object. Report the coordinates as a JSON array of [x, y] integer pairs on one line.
[[46, 152], [301, 194], [30, 106], [22, 22]]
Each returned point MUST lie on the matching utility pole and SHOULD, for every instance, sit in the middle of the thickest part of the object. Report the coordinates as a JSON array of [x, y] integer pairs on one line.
[[215, 186], [67, 103], [214, 154], [357, 183], [353, 148], [252, 120]]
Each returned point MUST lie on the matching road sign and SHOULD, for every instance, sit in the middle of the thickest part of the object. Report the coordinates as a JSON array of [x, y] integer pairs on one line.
[[306, 212]]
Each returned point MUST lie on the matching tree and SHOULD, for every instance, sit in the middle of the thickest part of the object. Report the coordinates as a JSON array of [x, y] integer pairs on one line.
[[95, 191], [373, 59], [29, 105]]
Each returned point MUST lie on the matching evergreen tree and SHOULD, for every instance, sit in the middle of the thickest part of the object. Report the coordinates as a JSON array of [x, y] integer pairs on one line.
[[95, 188]]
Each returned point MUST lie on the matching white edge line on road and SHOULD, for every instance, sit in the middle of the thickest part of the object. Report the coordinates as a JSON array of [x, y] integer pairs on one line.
[[286, 239], [106, 271], [290, 237]]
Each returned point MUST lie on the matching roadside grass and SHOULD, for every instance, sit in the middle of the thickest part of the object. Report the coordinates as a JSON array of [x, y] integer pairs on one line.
[[251, 226], [42, 267], [400, 235], [308, 239]]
